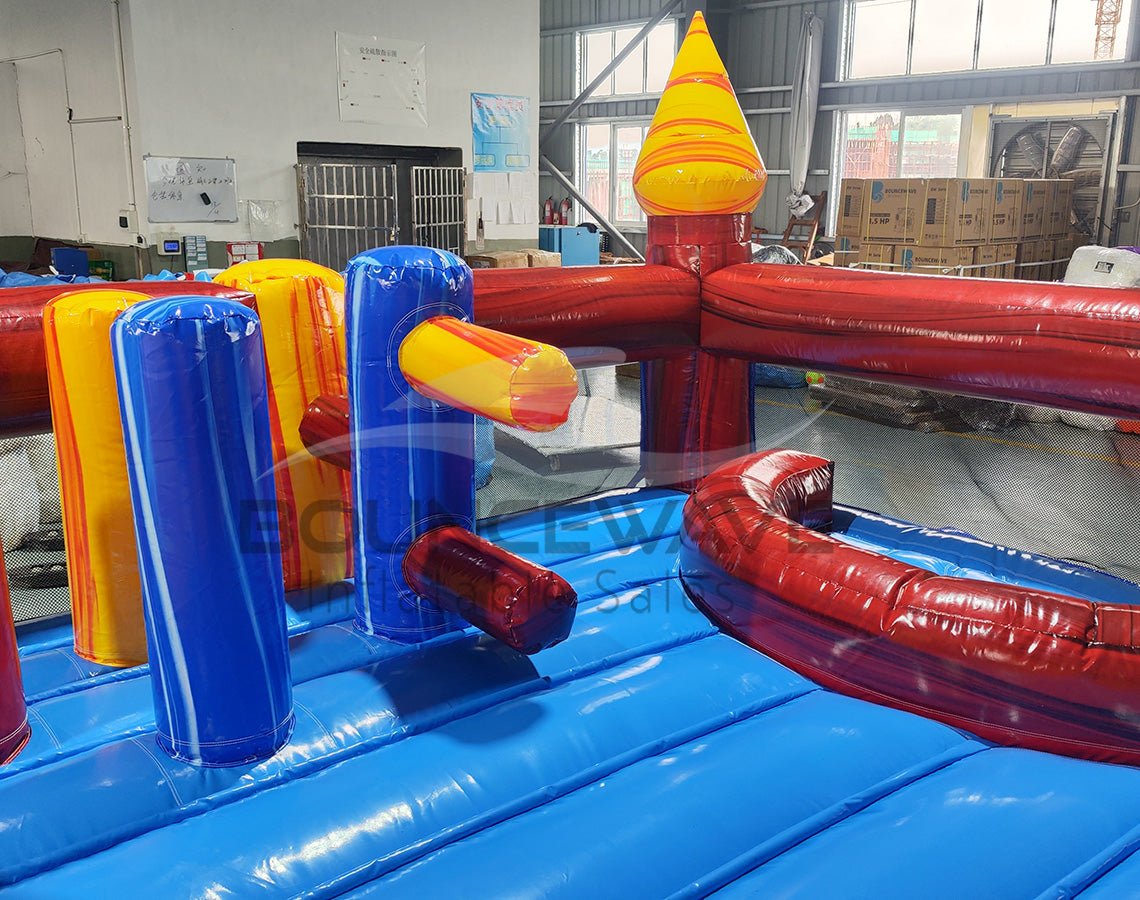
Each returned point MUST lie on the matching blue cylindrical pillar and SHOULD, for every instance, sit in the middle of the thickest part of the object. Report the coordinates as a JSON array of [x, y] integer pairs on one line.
[[412, 458], [193, 397]]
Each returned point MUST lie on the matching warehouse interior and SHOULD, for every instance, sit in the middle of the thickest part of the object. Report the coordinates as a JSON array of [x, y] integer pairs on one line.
[[562, 353]]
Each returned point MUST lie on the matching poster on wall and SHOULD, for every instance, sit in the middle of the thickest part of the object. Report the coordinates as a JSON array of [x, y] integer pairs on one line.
[[190, 189], [381, 80], [500, 130]]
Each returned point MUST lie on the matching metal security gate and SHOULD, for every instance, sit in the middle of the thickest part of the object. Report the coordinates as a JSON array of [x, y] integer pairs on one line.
[[345, 208], [438, 207]]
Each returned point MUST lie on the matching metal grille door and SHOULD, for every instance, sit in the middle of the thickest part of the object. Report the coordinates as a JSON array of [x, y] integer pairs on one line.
[[438, 207], [345, 208]]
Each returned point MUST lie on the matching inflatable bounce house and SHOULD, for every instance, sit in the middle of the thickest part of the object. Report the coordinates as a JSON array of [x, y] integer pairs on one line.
[[298, 666]]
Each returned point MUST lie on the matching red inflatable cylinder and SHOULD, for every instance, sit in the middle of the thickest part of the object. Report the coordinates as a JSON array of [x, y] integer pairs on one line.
[[696, 409], [14, 728], [324, 430], [524, 605], [23, 363]]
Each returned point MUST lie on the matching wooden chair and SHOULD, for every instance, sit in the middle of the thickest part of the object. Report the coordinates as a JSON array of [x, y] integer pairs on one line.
[[801, 232]]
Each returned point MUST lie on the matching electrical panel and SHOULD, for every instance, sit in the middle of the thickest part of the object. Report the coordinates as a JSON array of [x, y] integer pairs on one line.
[[195, 245]]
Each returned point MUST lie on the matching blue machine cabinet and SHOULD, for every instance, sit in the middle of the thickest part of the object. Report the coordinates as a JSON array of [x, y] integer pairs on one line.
[[577, 244]]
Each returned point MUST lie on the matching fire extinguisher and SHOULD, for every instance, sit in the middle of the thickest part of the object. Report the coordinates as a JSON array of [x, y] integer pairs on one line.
[[564, 210], [548, 211]]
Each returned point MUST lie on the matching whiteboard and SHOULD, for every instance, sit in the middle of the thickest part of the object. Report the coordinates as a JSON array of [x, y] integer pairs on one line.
[[185, 189], [381, 80]]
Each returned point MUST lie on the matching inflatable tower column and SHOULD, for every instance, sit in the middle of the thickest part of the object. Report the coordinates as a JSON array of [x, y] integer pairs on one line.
[[412, 457], [698, 178], [14, 729], [192, 388], [98, 528]]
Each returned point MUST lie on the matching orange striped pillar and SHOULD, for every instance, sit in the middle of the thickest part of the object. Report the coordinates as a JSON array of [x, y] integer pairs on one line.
[[301, 307], [98, 526]]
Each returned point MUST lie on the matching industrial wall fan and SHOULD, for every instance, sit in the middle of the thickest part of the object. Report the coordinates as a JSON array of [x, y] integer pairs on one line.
[[1056, 148]]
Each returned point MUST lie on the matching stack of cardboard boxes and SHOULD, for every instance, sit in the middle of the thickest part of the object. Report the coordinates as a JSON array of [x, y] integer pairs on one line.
[[981, 227]]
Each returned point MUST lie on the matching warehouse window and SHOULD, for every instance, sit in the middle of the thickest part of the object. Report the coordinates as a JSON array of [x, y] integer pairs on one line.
[[900, 37], [644, 71], [609, 152], [896, 144]]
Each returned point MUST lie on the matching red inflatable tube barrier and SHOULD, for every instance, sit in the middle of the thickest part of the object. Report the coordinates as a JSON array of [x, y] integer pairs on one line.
[[23, 365], [1054, 344], [522, 604], [324, 430], [1016, 666], [14, 730], [598, 315]]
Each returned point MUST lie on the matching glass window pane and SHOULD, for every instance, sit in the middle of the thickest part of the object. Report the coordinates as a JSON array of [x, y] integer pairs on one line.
[[943, 36], [1075, 35], [930, 146], [596, 148], [1014, 33], [629, 138], [879, 34], [629, 77], [599, 50], [871, 144], [660, 48]]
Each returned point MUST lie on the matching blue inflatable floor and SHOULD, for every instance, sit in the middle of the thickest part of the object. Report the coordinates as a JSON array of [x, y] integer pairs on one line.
[[646, 756]]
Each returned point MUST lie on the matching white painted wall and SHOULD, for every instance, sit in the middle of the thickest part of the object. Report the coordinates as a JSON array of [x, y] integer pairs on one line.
[[250, 79], [66, 59], [15, 206]]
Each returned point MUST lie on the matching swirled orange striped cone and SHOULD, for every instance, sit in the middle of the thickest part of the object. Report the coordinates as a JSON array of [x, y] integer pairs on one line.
[[698, 157]]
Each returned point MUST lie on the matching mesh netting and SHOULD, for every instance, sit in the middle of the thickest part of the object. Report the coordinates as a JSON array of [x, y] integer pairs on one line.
[[1023, 477], [30, 528]]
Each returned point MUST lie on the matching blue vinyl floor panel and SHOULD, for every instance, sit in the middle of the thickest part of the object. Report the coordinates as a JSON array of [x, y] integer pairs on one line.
[[646, 756]]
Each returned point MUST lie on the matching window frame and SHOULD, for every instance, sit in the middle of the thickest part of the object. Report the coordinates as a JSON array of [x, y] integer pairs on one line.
[[847, 45], [839, 146], [613, 124], [583, 82]]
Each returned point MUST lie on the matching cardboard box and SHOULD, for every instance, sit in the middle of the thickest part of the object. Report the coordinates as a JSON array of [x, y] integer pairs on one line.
[[1061, 210], [846, 251], [499, 259], [1036, 261], [894, 210], [1007, 209], [922, 260], [955, 212], [1035, 209], [998, 261], [852, 219], [879, 257], [543, 258]]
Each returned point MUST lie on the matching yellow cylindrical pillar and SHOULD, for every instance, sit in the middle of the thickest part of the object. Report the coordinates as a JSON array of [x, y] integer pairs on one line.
[[98, 527], [301, 307]]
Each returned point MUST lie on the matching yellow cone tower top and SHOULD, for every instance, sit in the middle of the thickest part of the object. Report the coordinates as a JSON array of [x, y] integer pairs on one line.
[[698, 157]]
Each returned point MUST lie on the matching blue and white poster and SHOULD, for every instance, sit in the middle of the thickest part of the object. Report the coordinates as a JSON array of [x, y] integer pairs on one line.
[[500, 128]]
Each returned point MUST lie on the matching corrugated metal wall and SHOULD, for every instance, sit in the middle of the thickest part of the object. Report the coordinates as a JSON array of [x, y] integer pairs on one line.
[[757, 41]]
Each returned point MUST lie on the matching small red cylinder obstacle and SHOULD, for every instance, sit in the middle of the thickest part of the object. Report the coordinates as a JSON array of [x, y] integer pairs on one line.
[[14, 729], [324, 429], [524, 605]]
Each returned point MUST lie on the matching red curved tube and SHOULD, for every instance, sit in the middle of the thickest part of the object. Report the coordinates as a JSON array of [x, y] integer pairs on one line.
[[324, 430], [23, 365], [524, 605], [1017, 666], [642, 312], [14, 730], [1053, 344]]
